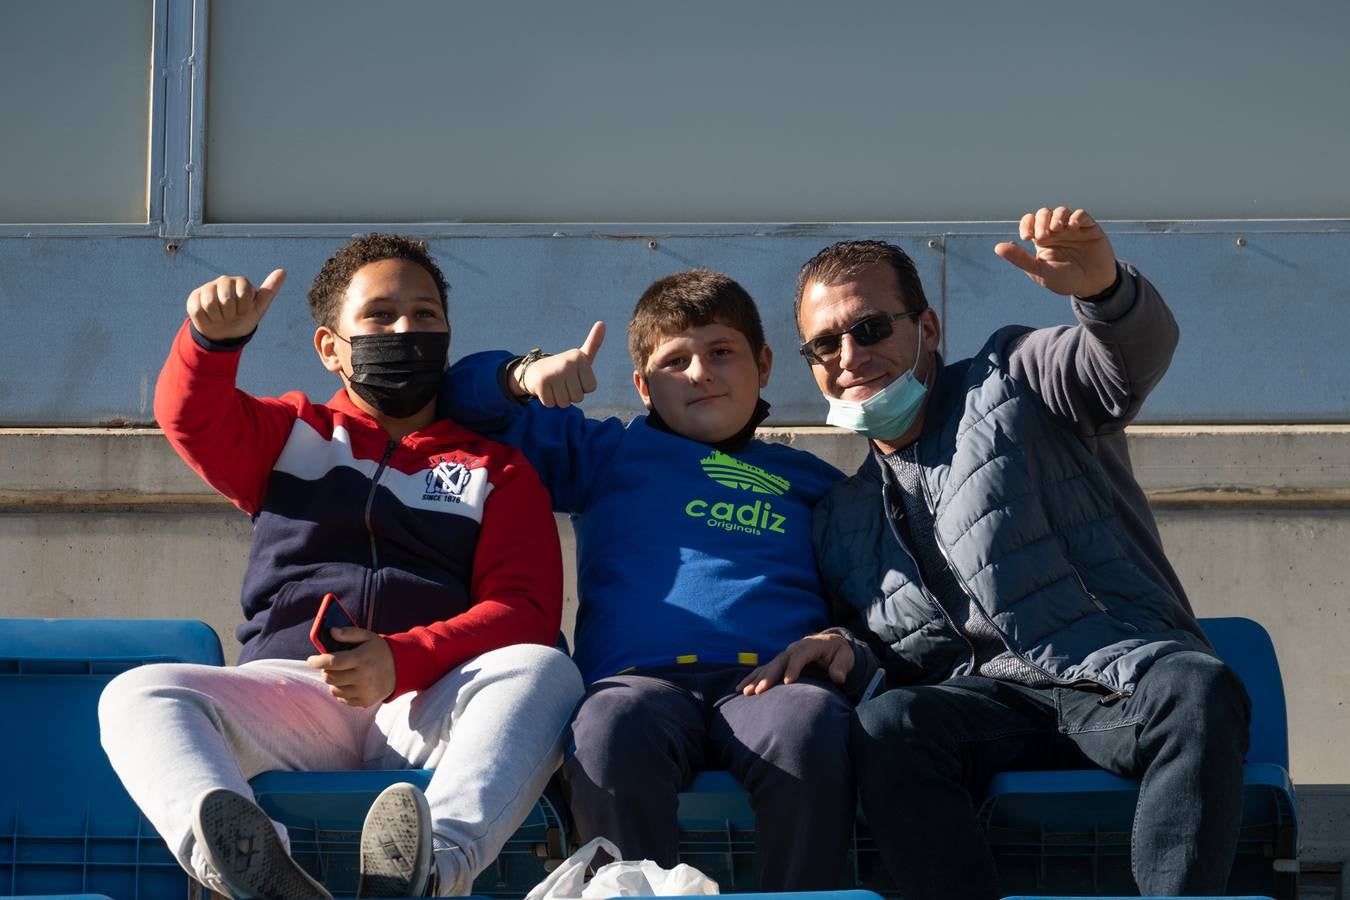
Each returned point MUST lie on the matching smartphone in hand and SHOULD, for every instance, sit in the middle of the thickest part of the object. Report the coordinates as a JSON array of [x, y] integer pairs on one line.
[[332, 614]]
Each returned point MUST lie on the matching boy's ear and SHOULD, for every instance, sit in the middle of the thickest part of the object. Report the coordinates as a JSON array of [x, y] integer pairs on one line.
[[765, 363], [641, 384], [325, 344]]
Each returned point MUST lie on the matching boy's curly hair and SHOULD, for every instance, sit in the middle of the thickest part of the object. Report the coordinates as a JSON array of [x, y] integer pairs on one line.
[[330, 285]]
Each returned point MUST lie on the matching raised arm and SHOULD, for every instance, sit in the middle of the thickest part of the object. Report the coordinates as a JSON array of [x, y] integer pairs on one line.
[[1097, 373], [557, 379], [530, 402], [227, 436]]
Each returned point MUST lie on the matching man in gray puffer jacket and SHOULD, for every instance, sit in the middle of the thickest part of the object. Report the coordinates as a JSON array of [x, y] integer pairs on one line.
[[996, 553]]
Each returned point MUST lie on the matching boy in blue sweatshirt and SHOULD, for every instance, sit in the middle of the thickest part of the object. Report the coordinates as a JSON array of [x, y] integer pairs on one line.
[[694, 564]]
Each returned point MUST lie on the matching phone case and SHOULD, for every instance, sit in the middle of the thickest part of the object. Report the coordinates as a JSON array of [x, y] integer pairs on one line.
[[331, 614]]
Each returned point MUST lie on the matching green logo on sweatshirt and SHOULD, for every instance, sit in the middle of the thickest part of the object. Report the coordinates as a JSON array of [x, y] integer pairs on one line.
[[755, 517], [730, 472]]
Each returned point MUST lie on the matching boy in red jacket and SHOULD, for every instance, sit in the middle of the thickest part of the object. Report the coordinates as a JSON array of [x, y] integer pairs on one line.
[[439, 543]]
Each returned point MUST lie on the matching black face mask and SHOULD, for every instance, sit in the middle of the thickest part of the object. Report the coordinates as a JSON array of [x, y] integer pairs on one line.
[[734, 444], [398, 374]]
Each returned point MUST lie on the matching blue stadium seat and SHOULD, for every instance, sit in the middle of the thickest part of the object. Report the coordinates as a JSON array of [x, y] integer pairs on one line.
[[323, 812], [1062, 831], [1058, 832], [66, 825]]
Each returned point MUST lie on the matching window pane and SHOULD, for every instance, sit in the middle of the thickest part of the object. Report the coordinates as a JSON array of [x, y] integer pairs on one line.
[[75, 104], [774, 110]]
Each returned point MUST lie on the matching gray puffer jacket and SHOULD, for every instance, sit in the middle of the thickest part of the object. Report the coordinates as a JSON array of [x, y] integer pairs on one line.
[[1035, 508]]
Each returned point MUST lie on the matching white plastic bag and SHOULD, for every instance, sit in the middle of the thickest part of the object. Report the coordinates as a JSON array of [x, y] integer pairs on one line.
[[621, 878]]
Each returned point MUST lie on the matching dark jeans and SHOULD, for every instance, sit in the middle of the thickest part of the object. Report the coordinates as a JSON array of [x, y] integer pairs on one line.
[[924, 756], [640, 738]]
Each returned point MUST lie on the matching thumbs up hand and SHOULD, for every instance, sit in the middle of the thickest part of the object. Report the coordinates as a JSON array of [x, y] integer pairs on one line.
[[561, 379], [231, 307]]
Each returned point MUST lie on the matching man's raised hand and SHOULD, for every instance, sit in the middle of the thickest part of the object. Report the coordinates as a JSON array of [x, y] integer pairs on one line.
[[231, 307], [1073, 255], [563, 378]]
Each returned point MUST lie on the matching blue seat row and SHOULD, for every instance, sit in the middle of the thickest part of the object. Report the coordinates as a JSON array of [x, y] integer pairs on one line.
[[67, 826], [1052, 832]]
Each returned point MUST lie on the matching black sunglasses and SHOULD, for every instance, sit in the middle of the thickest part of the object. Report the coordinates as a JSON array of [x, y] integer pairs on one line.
[[866, 332]]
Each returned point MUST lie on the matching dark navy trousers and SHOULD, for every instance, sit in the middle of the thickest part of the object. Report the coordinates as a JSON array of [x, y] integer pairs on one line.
[[925, 754], [640, 738]]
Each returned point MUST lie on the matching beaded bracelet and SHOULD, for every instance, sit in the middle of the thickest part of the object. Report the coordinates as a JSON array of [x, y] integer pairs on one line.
[[525, 361]]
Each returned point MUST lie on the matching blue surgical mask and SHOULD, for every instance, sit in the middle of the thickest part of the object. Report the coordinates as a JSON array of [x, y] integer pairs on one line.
[[886, 414]]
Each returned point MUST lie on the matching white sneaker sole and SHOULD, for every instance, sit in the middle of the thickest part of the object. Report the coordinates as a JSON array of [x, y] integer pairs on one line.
[[238, 840], [396, 844]]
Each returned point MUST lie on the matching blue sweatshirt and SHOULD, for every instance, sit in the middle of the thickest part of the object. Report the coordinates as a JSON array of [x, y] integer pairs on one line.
[[684, 553]]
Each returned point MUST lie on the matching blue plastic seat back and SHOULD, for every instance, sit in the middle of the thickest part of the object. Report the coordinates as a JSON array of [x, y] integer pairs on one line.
[[66, 823], [1247, 649], [52, 672], [103, 646]]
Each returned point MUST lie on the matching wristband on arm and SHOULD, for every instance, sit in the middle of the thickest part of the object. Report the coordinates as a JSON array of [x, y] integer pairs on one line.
[[523, 364]]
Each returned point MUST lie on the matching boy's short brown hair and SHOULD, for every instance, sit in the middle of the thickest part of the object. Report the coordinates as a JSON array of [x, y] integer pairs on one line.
[[330, 285], [687, 300]]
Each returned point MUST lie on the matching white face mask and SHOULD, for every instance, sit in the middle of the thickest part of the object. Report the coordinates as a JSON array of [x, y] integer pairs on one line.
[[888, 413]]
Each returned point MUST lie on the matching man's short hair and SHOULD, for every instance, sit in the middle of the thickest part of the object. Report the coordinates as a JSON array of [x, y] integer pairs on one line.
[[688, 300], [849, 259], [330, 285]]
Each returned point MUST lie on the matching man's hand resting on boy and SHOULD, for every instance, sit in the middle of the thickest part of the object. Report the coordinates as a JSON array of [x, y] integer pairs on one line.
[[231, 307], [827, 650], [362, 676], [562, 378]]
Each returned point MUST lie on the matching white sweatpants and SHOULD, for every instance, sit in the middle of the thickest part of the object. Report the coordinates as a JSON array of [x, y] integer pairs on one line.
[[492, 728]]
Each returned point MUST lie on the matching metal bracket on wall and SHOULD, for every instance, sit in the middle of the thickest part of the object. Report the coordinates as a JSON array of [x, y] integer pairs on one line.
[[179, 114]]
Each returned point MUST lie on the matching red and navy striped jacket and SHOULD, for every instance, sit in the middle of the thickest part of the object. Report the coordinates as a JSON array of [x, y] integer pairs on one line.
[[442, 542]]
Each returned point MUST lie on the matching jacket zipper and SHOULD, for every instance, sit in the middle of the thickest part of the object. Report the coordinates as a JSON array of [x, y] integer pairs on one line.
[[970, 598], [370, 530], [1098, 603], [895, 533]]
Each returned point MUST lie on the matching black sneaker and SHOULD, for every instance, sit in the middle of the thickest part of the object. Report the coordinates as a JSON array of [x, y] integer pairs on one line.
[[396, 856], [239, 841]]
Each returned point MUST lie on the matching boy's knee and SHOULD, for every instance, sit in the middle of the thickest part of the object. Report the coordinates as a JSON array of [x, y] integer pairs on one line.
[[550, 665], [548, 670], [132, 690], [810, 731], [612, 713], [127, 706], [821, 704]]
